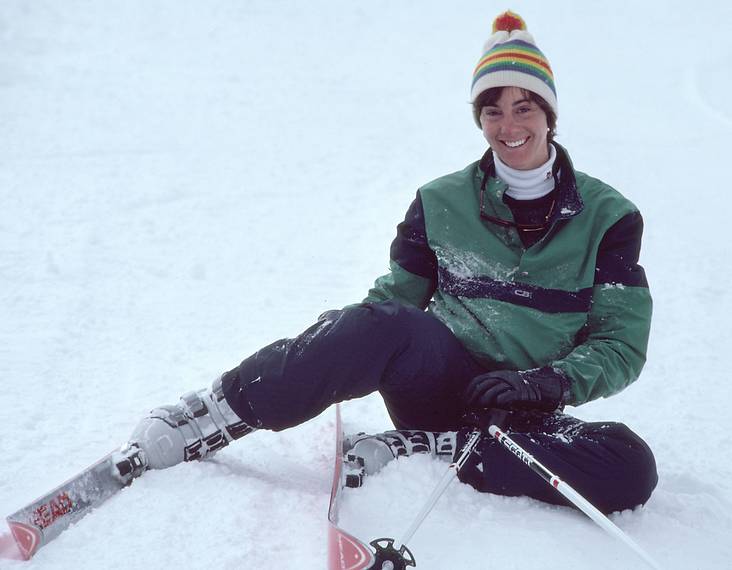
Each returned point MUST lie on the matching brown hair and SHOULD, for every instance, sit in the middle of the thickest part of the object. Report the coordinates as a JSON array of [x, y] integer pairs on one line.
[[492, 95]]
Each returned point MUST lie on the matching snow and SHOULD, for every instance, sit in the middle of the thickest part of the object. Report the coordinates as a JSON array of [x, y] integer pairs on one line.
[[184, 182]]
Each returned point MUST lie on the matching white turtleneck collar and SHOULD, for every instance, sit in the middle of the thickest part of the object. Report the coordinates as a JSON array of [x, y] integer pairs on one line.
[[527, 184]]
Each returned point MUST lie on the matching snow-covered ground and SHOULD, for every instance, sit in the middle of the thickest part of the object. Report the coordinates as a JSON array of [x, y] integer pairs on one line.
[[182, 182]]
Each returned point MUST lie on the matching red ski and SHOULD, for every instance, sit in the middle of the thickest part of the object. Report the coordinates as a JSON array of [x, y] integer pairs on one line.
[[345, 552], [44, 519]]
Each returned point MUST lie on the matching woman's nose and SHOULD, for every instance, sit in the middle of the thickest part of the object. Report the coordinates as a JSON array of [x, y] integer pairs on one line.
[[508, 124]]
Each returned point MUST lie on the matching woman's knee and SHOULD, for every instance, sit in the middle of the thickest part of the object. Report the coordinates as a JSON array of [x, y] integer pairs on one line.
[[630, 464], [391, 315]]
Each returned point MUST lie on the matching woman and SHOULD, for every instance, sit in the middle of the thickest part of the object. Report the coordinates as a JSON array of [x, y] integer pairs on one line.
[[528, 271]]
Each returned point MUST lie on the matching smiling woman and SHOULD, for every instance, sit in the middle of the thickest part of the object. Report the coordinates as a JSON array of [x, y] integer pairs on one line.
[[474, 314]]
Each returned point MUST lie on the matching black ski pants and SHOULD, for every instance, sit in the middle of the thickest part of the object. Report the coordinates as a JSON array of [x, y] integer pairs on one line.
[[421, 370]]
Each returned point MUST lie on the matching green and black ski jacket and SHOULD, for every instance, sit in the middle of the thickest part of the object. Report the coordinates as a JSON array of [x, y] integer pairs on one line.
[[576, 300]]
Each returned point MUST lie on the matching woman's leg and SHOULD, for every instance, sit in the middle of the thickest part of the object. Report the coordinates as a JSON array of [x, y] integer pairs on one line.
[[413, 359], [606, 462]]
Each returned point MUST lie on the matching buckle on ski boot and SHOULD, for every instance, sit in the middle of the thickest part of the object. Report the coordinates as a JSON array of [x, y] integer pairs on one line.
[[129, 463]]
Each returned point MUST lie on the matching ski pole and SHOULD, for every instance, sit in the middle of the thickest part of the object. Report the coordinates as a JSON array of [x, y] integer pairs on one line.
[[571, 494], [393, 554], [444, 483]]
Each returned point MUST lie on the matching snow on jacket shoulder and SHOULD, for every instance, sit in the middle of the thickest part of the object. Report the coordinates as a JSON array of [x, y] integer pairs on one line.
[[576, 300]]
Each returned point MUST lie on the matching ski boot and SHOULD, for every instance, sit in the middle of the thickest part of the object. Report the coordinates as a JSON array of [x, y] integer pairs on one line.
[[368, 454], [195, 428]]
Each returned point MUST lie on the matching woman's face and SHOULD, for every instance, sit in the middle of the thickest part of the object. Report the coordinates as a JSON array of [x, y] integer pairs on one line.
[[517, 129]]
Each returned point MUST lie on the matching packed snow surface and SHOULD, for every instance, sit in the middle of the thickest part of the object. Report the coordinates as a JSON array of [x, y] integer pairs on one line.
[[183, 182]]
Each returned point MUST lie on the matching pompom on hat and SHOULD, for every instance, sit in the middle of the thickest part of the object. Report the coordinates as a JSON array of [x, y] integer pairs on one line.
[[511, 59]]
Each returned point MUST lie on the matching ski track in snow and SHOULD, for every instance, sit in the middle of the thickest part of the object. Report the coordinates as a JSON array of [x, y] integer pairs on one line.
[[183, 183]]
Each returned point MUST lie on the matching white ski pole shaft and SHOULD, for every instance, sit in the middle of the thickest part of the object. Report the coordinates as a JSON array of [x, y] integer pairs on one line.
[[571, 494], [443, 484]]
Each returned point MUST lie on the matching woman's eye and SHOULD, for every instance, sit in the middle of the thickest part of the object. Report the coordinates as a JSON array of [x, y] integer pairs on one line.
[[490, 112]]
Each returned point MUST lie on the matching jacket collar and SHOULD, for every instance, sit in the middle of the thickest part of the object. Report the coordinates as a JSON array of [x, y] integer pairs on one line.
[[569, 203]]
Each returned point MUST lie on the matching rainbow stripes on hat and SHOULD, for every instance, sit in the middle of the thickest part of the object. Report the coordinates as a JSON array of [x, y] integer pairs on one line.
[[511, 59], [516, 55]]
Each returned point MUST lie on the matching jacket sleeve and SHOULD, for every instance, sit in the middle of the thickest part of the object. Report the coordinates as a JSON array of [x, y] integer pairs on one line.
[[412, 278], [611, 349]]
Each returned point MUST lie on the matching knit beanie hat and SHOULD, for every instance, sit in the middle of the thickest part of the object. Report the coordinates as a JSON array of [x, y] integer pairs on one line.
[[511, 59]]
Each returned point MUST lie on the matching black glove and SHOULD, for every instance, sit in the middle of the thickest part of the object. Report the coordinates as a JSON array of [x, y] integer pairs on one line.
[[483, 418], [543, 389]]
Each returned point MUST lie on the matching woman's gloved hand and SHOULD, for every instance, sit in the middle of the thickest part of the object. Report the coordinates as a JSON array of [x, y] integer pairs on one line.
[[543, 389]]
